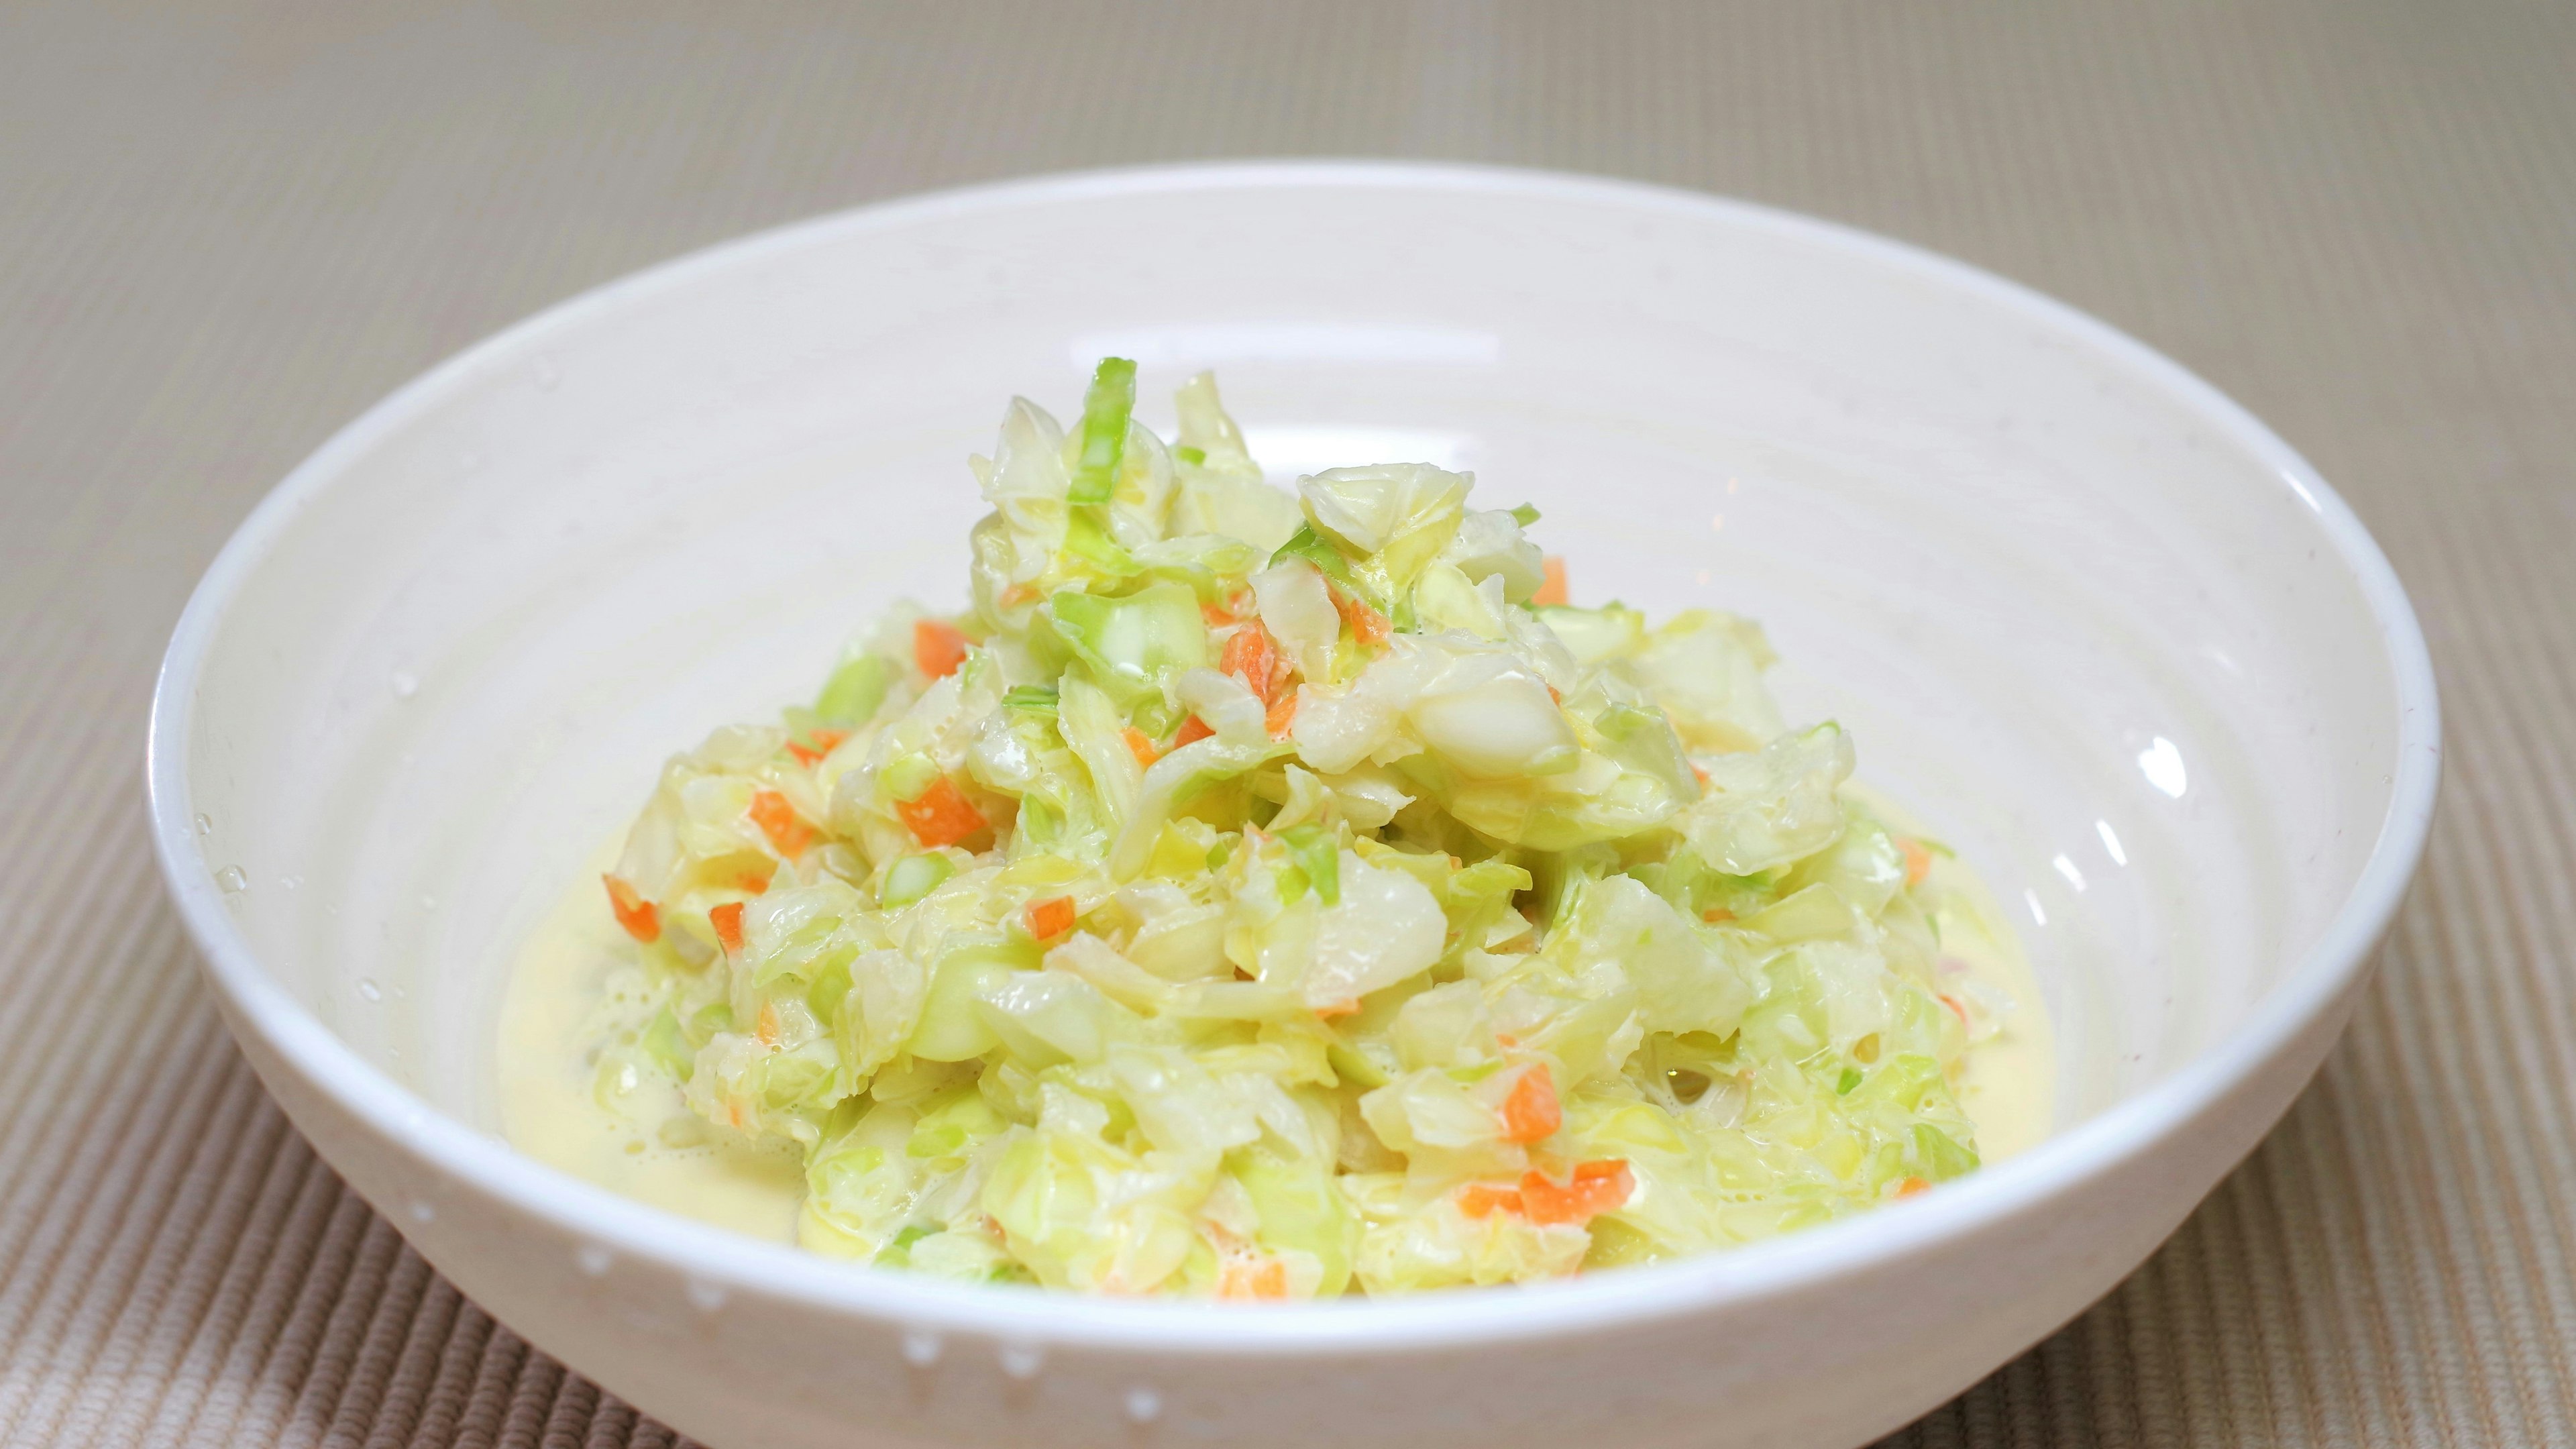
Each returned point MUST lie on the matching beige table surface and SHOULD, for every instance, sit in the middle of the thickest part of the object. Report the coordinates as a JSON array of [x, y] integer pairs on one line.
[[225, 230]]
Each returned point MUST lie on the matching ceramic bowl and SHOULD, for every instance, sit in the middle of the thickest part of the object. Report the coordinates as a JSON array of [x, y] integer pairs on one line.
[[2114, 639]]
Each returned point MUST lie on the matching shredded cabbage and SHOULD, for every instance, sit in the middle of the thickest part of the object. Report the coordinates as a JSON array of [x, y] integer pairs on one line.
[[1256, 895]]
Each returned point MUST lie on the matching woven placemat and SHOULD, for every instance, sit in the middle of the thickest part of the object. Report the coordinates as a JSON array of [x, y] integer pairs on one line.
[[224, 231]]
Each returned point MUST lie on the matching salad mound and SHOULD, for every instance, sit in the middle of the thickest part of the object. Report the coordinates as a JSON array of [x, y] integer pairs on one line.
[[1269, 895]]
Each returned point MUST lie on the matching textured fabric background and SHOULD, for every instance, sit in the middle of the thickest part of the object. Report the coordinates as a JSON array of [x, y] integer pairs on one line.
[[226, 230]]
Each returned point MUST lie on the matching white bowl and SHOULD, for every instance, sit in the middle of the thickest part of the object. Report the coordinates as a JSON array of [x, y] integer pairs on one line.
[[2107, 633]]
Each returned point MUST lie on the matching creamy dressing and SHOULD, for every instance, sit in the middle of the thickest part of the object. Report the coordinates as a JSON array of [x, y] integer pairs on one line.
[[552, 1111]]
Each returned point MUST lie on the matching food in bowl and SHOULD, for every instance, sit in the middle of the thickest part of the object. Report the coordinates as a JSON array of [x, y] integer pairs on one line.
[[1272, 895]]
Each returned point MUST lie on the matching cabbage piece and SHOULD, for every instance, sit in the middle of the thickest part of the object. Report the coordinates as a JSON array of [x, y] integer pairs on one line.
[[1297, 609], [1384, 928], [1131, 644], [1705, 668], [1770, 808], [1684, 982], [1220, 489], [1489, 545], [1391, 519]]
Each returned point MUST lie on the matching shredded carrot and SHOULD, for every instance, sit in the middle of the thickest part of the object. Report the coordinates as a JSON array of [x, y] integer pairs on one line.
[[1506, 1039], [1214, 617], [941, 816], [1252, 656], [1957, 1007], [1282, 717], [938, 648], [1368, 626], [1918, 861], [1253, 1278], [778, 820], [751, 880], [766, 1027], [1555, 695], [1338, 1008], [1912, 1185], [1531, 1113], [727, 919], [1595, 1188], [1141, 745], [1049, 919], [1715, 914], [1552, 588], [1192, 730], [823, 743], [1702, 774], [1016, 595], [636, 914], [1477, 1200]]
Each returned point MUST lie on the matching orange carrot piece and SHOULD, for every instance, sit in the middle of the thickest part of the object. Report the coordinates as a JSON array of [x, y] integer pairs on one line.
[[1477, 1200], [1531, 1113], [1253, 1278], [766, 1027], [941, 816], [1049, 919], [1282, 717], [1958, 1008], [1595, 1188], [937, 647], [1918, 861], [751, 881], [1702, 774], [1368, 626], [1252, 656], [1192, 730], [1714, 914], [638, 915], [823, 743], [1141, 745], [1551, 589], [727, 919], [1329, 1010], [1912, 1185], [778, 820]]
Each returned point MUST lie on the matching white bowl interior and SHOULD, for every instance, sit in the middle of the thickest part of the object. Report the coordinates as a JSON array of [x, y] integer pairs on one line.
[[2077, 619]]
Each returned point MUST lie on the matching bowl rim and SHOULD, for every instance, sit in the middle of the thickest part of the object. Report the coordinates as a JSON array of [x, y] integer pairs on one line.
[[602, 1220]]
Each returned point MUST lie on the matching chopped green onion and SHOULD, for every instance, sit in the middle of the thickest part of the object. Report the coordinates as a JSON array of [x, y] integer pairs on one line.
[[855, 691], [1313, 547], [1850, 1079], [1104, 431], [1030, 699], [911, 878], [1190, 455], [906, 776], [1525, 515], [1319, 856]]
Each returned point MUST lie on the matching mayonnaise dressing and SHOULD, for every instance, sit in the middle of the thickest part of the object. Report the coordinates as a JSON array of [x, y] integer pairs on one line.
[[551, 1110]]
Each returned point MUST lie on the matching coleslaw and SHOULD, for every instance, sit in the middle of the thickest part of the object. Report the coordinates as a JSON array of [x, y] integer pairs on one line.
[[1270, 895]]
